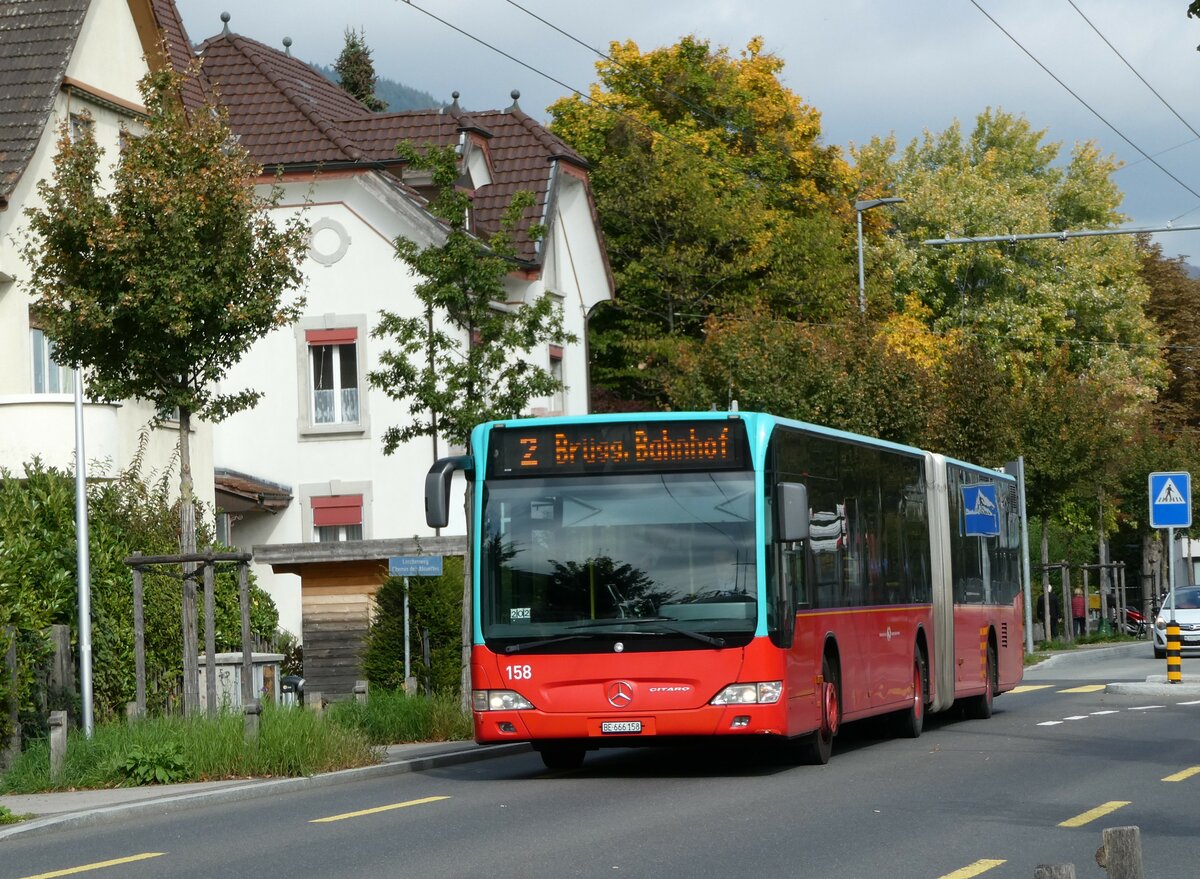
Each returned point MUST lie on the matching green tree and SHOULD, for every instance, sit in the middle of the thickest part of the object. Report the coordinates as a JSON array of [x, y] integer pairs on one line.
[[157, 285], [356, 71], [715, 194], [469, 369], [1019, 299], [1174, 306]]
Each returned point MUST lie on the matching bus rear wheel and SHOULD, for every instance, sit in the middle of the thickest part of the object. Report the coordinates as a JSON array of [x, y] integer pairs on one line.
[[980, 707], [912, 718], [561, 757]]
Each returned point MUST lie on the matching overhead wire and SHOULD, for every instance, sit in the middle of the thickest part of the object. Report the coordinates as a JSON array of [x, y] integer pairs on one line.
[[1078, 98], [1153, 91]]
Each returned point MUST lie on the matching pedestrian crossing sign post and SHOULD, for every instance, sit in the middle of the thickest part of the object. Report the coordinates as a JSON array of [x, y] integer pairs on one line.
[[1170, 500]]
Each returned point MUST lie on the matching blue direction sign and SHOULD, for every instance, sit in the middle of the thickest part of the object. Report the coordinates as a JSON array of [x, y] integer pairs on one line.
[[1170, 500], [415, 566]]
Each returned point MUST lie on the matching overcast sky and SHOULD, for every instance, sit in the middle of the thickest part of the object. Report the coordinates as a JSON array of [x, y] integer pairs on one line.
[[871, 67]]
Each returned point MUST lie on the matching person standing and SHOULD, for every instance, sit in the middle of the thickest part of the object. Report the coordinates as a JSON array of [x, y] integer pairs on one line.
[[1079, 612]]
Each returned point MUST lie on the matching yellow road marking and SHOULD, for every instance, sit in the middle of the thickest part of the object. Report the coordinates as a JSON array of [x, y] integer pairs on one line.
[[1029, 688], [1092, 814], [1087, 688], [376, 810], [981, 866], [115, 862], [1184, 775]]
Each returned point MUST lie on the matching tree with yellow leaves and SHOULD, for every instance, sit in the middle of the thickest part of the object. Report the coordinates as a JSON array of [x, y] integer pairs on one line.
[[715, 195]]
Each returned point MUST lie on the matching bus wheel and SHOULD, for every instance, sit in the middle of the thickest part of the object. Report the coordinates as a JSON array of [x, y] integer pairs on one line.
[[819, 746], [561, 757], [980, 707], [912, 718]]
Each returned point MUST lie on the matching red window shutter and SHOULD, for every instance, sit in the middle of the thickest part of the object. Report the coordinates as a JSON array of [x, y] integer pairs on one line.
[[339, 509], [331, 337], [556, 352]]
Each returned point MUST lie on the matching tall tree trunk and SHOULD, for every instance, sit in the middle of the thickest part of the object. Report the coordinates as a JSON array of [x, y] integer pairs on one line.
[[187, 546]]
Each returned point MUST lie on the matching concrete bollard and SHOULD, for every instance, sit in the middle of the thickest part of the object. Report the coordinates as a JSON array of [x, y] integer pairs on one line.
[[252, 711], [312, 700], [58, 742], [360, 691]]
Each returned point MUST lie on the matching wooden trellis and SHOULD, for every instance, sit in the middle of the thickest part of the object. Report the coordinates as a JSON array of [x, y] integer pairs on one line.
[[207, 562]]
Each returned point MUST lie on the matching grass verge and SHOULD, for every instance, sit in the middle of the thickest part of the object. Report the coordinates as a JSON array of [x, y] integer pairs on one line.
[[391, 716], [290, 742]]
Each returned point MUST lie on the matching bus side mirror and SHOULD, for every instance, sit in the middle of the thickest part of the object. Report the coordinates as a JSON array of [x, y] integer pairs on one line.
[[793, 512], [437, 488]]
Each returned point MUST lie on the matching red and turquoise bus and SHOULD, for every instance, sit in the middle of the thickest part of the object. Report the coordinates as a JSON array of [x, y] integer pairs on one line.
[[652, 578]]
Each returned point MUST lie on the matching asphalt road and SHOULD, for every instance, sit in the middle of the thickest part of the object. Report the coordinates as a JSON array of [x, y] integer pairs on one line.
[[1059, 761]]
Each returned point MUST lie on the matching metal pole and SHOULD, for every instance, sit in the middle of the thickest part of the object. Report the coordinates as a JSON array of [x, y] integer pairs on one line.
[[83, 565], [862, 286], [1025, 558], [407, 672], [1170, 558]]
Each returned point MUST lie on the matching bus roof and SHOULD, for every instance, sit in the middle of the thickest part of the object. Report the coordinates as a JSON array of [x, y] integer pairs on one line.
[[757, 424]]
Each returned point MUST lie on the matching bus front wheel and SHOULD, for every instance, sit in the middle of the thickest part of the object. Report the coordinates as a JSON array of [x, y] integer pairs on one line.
[[818, 747], [561, 757]]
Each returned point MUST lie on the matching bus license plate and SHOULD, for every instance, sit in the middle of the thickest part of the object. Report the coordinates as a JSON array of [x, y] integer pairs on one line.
[[621, 726]]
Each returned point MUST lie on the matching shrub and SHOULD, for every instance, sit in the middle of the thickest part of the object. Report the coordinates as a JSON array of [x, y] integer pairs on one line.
[[37, 581], [157, 763], [435, 606]]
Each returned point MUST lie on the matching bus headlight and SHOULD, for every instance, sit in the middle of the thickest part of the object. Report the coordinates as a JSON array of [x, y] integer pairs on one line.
[[761, 693], [499, 700]]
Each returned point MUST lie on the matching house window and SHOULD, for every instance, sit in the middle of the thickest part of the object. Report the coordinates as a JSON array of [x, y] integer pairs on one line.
[[49, 377], [81, 124], [558, 402], [337, 518], [333, 361]]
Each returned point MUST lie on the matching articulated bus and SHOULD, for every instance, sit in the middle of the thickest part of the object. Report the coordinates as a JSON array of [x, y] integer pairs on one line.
[[653, 578]]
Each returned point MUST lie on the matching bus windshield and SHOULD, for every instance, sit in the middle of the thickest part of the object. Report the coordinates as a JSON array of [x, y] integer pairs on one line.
[[642, 556]]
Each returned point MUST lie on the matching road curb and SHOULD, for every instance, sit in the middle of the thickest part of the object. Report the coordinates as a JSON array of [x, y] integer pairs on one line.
[[254, 790]]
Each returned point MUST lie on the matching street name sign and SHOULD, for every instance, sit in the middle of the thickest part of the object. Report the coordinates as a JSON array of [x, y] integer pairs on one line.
[[415, 566]]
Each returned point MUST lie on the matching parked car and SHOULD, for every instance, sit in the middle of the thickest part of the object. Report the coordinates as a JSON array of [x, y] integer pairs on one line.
[[1182, 604]]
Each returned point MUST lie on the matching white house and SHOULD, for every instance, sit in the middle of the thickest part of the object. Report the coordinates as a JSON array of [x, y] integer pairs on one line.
[[78, 63], [306, 468], [302, 479]]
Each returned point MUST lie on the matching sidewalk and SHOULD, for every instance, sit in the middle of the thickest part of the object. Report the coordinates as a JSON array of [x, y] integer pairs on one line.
[[85, 808]]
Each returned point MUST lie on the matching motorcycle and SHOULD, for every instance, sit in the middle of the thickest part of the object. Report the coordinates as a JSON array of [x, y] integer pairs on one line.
[[1133, 624]]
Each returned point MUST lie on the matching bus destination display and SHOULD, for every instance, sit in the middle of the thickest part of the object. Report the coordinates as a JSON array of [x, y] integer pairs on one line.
[[618, 447]]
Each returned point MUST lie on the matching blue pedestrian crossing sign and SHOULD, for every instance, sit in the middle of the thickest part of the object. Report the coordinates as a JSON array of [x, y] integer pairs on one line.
[[981, 516], [1170, 500]]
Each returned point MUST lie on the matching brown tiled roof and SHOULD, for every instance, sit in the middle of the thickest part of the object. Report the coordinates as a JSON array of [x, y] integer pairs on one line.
[[179, 49], [36, 41], [282, 110], [286, 113]]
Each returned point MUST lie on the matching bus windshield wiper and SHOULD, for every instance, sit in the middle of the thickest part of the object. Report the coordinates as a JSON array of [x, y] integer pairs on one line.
[[635, 621], [529, 645]]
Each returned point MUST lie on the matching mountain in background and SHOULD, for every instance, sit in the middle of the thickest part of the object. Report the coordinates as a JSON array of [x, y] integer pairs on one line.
[[396, 95]]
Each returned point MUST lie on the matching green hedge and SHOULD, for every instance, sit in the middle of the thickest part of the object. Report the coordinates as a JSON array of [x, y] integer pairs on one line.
[[38, 582]]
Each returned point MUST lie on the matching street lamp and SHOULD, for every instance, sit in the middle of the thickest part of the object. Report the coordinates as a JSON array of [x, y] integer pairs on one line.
[[859, 207]]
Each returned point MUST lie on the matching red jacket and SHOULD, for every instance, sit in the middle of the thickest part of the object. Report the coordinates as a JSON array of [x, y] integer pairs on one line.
[[1077, 606]]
